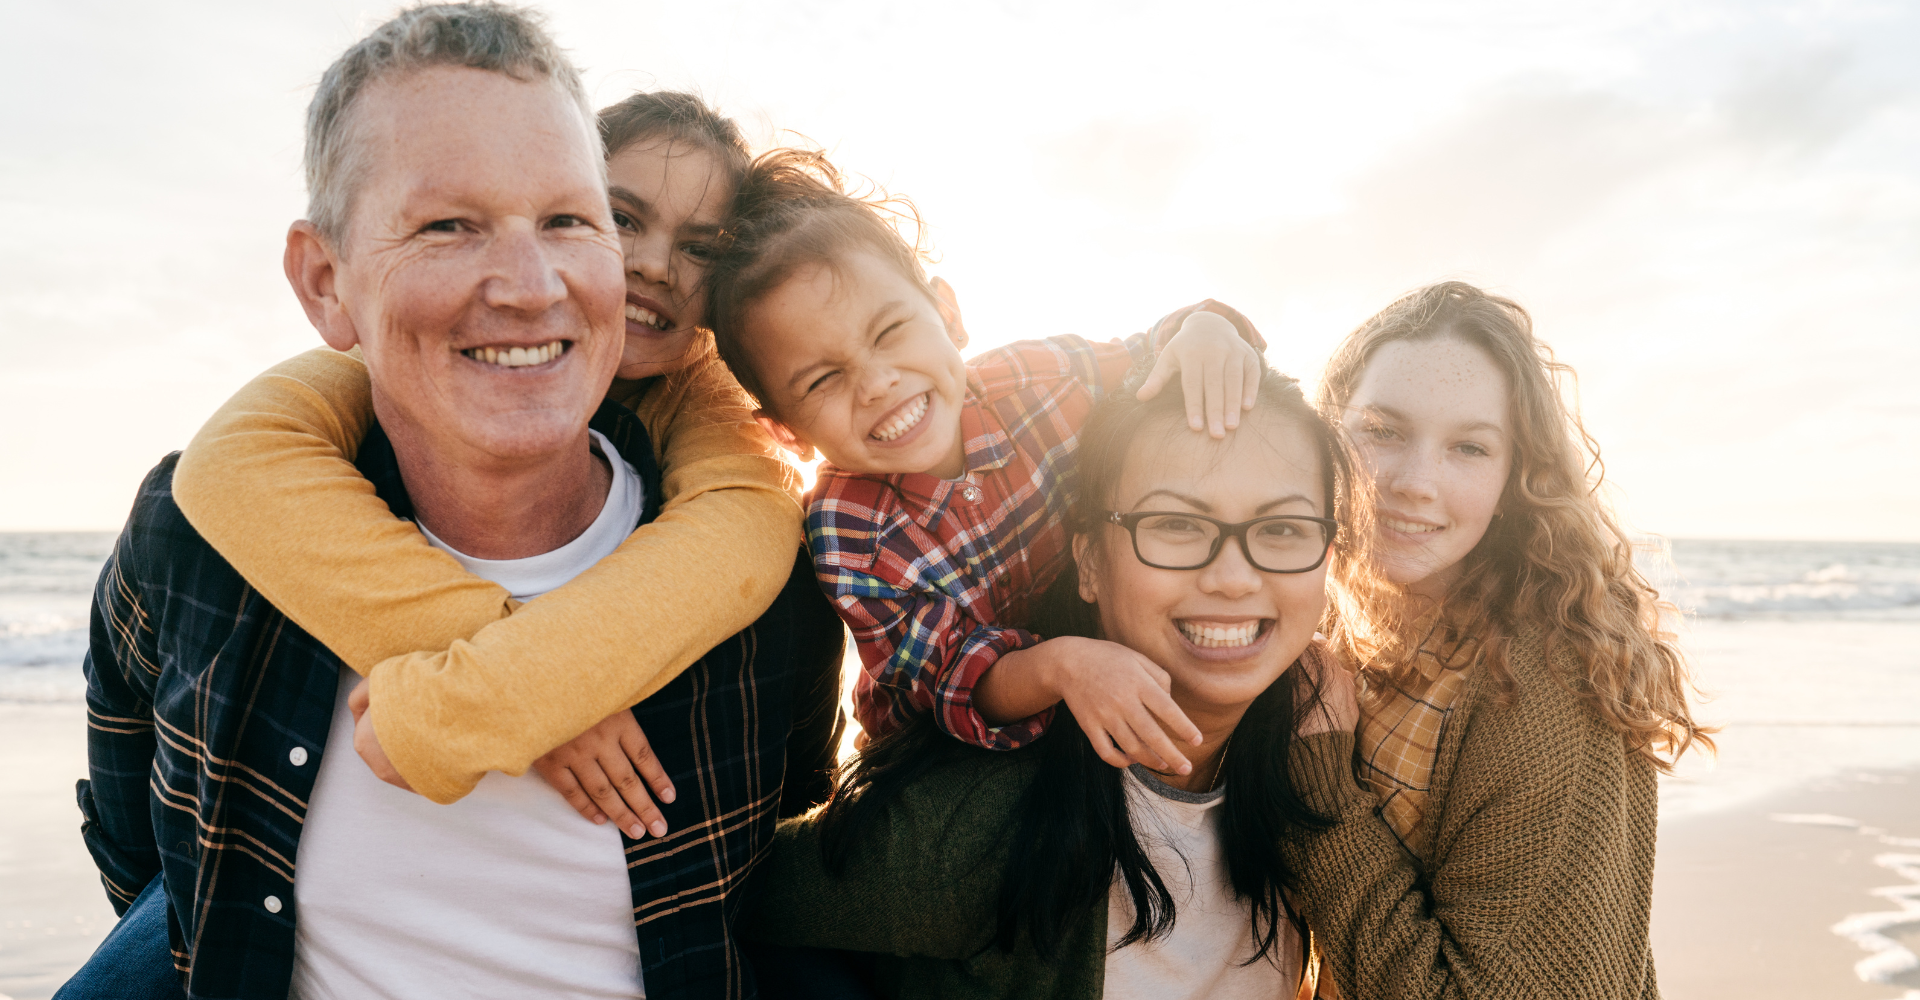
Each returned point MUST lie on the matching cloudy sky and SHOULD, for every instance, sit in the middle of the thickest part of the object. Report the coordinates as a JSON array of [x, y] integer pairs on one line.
[[1711, 208]]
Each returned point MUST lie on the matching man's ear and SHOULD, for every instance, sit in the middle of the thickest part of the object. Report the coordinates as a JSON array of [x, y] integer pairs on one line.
[[949, 306], [1083, 558], [314, 272], [784, 436]]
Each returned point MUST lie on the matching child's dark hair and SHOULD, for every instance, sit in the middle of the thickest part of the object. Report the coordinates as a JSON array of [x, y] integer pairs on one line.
[[792, 209], [677, 117], [1073, 828]]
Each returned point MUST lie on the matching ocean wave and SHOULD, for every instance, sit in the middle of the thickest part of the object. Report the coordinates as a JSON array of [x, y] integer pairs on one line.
[[45, 640], [1830, 589]]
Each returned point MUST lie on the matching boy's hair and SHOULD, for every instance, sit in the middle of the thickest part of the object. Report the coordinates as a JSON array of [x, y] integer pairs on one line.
[[1554, 555], [794, 209], [676, 117]]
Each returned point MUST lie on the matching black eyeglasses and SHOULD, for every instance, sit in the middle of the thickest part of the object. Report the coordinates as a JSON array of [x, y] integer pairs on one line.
[[1287, 543]]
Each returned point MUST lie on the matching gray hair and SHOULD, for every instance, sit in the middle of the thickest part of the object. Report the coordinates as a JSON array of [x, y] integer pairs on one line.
[[480, 35]]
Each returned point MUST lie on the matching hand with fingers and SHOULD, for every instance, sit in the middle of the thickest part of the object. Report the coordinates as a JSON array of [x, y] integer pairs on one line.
[[1121, 699], [606, 773], [1219, 372]]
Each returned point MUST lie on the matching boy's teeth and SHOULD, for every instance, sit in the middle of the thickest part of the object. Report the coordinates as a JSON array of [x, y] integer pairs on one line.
[[645, 317], [904, 422], [1220, 636], [1408, 526], [518, 357]]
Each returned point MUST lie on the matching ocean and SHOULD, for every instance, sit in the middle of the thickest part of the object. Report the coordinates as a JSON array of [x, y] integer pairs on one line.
[[1809, 654]]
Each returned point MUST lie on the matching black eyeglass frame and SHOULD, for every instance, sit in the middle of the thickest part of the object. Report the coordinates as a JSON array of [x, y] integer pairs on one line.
[[1132, 521]]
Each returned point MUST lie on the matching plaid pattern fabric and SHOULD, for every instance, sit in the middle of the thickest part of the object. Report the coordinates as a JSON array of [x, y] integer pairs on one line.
[[208, 711], [1401, 726], [933, 576]]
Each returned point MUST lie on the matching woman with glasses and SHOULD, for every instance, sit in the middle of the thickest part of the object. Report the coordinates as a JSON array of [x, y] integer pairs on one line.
[[968, 872], [1517, 692]]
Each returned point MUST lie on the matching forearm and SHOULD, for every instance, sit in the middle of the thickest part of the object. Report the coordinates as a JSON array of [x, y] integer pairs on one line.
[[1019, 684], [613, 636], [269, 482]]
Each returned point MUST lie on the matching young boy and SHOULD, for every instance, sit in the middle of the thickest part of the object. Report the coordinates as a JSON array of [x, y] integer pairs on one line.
[[936, 522]]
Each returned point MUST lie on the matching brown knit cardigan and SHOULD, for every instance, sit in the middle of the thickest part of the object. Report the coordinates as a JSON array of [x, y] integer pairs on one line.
[[1540, 877]]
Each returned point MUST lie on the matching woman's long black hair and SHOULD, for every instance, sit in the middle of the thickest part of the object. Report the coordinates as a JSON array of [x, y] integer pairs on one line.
[[1074, 831]]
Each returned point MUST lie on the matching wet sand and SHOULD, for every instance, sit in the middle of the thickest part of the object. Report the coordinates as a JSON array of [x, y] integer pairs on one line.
[[1744, 903], [52, 908], [1745, 900]]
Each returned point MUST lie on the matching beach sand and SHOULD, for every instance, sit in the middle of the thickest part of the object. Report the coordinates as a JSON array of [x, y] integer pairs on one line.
[[53, 911], [1743, 902]]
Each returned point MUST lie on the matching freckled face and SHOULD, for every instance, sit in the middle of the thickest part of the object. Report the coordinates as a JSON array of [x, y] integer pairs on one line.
[[481, 275], [1431, 420], [669, 199], [1225, 631], [859, 363]]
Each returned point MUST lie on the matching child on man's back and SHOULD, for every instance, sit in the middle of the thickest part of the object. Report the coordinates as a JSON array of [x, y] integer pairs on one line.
[[937, 521]]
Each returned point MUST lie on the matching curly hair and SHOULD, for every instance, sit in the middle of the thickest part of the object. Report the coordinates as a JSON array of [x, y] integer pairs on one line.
[[1557, 556]]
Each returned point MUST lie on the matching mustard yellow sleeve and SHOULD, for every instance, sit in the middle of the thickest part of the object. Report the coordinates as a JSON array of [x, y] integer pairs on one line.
[[459, 687], [270, 483], [711, 563]]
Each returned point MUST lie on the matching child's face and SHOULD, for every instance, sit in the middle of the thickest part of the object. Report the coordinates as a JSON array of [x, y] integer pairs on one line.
[[1430, 419], [861, 363], [669, 199]]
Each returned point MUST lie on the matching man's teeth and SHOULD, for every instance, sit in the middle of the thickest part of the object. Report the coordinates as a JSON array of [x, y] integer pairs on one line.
[[518, 357], [646, 317], [1408, 526], [1220, 636], [904, 422]]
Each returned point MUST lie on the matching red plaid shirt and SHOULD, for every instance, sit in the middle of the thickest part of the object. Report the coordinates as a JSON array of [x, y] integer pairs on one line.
[[934, 575]]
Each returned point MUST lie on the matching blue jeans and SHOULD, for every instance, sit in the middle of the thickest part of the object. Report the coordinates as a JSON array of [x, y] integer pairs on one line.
[[135, 962]]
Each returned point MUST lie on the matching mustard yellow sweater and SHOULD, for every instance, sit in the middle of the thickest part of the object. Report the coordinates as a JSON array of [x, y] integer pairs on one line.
[[466, 680]]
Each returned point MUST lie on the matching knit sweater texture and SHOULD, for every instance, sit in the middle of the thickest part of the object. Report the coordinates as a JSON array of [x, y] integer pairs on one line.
[[1540, 829]]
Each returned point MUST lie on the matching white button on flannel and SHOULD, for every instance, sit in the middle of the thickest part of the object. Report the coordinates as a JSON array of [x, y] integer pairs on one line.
[[972, 493], [273, 904], [298, 755]]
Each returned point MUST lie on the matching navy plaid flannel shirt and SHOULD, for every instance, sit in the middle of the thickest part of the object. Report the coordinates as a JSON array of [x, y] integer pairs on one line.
[[199, 693]]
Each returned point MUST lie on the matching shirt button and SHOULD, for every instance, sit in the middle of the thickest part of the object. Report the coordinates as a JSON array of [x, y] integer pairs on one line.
[[273, 904], [972, 493], [298, 755]]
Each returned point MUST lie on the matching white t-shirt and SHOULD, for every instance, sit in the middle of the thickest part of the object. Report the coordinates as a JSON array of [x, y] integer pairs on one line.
[[1212, 931], [506, 893]]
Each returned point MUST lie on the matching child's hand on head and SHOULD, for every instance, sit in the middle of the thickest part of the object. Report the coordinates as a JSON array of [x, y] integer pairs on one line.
[[1219, 372], [600, 773]]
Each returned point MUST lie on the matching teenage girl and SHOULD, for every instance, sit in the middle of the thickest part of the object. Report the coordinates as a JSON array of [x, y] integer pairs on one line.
[[1517, 695]]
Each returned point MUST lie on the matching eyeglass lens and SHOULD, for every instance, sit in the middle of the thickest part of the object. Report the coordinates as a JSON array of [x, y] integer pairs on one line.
[[1275, 544]]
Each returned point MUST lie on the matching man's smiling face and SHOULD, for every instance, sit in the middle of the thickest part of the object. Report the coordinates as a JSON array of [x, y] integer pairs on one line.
[[481, 274]]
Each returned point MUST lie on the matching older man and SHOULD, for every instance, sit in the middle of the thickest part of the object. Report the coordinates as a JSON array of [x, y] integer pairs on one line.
[[459, 208]]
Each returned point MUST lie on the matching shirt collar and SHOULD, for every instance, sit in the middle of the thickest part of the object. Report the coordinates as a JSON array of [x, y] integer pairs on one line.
[[986, 447]]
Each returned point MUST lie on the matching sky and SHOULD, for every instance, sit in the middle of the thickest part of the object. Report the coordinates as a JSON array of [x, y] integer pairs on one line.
[[1711, 209]]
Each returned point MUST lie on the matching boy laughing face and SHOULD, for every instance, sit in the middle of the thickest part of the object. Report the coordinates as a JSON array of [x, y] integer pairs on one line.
[[863, 365]]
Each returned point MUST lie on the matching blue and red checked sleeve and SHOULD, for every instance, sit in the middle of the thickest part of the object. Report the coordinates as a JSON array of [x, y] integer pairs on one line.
[[921, 653]]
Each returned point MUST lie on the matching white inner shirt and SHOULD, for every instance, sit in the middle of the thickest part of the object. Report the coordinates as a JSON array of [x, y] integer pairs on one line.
[[506, 893], [1212, 931]]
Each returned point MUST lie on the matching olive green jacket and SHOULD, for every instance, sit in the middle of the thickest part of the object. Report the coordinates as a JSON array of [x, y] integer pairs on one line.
[[923, 889]]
